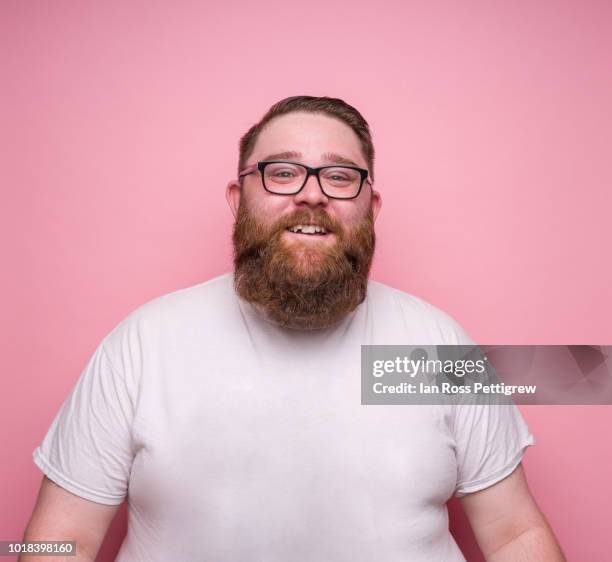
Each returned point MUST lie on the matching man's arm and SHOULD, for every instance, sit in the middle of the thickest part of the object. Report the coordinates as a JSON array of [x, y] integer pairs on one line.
[[61, 515], [508, 524]]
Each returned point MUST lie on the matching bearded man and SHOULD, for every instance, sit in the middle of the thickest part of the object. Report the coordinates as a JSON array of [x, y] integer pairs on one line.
[[228, 414]]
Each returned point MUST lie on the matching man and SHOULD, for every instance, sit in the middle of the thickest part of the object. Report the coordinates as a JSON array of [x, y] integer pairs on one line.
[[229, 413]]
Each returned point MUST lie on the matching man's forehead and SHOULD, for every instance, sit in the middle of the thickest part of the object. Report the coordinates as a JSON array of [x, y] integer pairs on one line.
[[299, 136]]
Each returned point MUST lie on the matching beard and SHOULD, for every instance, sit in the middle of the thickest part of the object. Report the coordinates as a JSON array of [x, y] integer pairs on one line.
[[302, 284]]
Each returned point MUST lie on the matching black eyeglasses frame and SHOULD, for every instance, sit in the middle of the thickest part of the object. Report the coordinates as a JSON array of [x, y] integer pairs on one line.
[[261, 166]]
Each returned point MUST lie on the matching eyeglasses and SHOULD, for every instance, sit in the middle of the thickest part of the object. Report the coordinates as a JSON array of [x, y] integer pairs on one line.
[[288, 178]]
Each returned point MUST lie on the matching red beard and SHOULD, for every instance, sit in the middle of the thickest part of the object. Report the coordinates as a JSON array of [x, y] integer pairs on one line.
[[302, 285]]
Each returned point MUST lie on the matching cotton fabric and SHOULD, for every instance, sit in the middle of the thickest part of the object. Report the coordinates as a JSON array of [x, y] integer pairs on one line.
[[235, 439]]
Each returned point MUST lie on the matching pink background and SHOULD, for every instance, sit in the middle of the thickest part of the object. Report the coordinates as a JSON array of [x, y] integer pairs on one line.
[[492, 125]]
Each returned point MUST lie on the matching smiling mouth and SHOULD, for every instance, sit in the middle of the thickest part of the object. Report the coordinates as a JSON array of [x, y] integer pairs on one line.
[[308, 229]]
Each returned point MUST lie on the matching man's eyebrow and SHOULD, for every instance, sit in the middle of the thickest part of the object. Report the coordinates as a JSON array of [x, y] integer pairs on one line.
[[327, 156], [336, 158]]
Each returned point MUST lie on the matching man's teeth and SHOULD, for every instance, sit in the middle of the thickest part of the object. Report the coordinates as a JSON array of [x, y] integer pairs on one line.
[[308, 229]]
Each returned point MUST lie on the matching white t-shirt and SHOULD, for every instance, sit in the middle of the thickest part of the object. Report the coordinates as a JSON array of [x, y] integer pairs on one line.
[[235, 439]]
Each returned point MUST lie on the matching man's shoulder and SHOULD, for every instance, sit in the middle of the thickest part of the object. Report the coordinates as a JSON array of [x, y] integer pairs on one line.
[[182, 308], [408, 312], [206, 294], [385, 294]]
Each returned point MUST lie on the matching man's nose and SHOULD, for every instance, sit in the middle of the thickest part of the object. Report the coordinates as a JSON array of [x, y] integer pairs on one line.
[[311, 193]]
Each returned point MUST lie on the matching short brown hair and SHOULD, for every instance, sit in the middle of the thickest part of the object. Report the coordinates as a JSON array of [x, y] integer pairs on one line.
[[334, 107]]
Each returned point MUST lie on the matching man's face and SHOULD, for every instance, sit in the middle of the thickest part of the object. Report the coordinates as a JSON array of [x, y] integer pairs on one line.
[[276, 263]]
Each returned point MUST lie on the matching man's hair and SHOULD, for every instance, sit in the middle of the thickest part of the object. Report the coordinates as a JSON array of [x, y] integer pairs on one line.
[[333, 107]]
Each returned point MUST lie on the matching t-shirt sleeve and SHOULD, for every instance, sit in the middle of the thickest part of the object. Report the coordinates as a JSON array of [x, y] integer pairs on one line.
[[88, 448], [490, 440]]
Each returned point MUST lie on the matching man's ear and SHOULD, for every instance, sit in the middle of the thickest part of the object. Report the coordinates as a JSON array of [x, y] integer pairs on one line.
[[233, 193], [376, 203]]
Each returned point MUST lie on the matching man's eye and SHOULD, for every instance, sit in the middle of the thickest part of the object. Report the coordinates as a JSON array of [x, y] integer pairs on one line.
[[288, 174], [338, 178]]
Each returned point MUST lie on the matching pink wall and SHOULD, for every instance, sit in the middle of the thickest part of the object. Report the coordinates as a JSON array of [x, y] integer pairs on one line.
[[493, 129]]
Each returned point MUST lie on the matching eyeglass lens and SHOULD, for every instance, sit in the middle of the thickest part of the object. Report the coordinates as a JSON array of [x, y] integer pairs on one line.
[[286, 178]]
